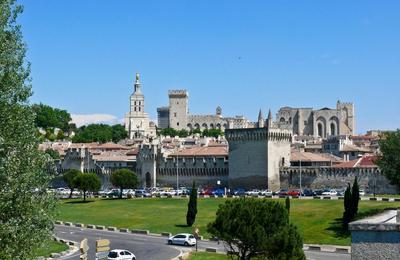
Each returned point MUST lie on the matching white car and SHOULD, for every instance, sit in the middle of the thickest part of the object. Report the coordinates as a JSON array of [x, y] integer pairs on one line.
[[362, 192], [330, 193], [266, 193], [182, 239], [120, 254]]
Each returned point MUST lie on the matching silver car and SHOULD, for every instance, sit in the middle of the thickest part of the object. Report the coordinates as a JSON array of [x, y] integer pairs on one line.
[[182, 239]]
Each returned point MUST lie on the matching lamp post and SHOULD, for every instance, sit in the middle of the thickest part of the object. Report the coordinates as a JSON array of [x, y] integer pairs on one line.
[[300, 170], [177, 172]]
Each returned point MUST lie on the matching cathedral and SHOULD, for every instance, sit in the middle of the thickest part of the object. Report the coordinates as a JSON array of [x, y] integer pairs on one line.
[[137, 122]]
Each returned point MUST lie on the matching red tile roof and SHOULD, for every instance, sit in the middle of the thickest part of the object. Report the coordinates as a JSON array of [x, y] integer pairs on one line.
[[367, 161]]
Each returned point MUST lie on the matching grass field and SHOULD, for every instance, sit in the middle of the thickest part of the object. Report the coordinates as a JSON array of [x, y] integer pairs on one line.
[[49, 247], [207, 256], [317, 220]]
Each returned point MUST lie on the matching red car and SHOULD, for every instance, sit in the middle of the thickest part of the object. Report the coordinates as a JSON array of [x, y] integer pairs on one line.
[[293, 193]]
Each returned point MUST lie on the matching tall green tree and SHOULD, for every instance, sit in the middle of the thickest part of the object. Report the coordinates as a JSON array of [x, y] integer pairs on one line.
[[48, 117], [355, 198], [69, 177], [26, 209], [389, 160], [347, 214], [87, 182], [192, 207], [124, 179], [99, 133], [254, 228], [287, 204]]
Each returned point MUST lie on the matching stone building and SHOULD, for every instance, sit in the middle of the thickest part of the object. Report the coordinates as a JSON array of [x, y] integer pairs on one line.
[[320, 123], [177, 116], [137, 122], [257, 154], [158, 166]]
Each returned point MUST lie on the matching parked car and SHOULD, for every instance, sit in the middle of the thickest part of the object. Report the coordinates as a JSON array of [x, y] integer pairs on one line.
[[114, 192], [253, 192], [120, 254], [266, 193], [218, 192], [318, 192], [282, 192], [239, 192], [362, 192], [331, 192], [308, 192], [142, 193], [182, 239], [207, 191], [293, 193]]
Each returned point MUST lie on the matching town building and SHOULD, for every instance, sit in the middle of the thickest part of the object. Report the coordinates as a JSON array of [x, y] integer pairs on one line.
[[137, 122], [177, 116], [320, 123]]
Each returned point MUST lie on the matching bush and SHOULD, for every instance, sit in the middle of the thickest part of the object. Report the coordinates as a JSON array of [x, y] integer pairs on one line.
[[257, 228]]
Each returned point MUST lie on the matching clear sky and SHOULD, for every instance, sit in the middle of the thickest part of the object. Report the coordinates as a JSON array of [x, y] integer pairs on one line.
[[241, 55]]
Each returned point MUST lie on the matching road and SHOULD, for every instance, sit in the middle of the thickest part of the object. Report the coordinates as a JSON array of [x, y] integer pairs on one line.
[[152, 247]]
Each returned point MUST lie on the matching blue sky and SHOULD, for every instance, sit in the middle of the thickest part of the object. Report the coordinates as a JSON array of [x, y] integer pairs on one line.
[[241, 55]]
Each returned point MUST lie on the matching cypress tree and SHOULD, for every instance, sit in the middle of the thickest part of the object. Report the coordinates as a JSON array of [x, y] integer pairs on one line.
[[287, 205], [192, 207], [355, 198], [347, 207]]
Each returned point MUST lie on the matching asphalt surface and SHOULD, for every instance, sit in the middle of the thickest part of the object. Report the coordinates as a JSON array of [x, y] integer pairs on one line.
[[153, 247]]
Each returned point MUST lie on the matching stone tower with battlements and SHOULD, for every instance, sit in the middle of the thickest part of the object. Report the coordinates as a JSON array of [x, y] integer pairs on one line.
[[256, 155], [178, 109]]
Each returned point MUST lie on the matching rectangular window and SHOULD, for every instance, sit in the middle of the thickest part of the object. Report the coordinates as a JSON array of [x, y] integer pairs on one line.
[[177, 124], [305, 122], [174, 114]]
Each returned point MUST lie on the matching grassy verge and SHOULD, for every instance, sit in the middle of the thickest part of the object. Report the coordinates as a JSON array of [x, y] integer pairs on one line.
[[207, 256], [319, 221], [49, 247]]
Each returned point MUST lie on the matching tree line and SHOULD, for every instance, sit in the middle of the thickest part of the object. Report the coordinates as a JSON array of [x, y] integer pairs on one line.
[[215, 132]]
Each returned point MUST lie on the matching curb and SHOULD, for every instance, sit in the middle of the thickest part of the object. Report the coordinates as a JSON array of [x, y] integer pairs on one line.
[[327, 248]]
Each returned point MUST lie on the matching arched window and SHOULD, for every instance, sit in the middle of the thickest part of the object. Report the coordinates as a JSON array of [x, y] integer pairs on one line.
[[282, 120], [320, 133], [333, 129]]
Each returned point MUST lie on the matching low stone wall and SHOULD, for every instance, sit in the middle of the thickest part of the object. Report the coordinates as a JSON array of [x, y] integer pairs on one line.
[[376, 237], [371, 180]]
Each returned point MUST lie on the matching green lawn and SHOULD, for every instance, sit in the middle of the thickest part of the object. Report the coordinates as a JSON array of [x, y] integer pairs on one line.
[[49, 247], [317, 220], [207, 256]]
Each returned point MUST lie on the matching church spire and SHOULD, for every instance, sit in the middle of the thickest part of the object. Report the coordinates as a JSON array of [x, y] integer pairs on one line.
[[260, 119], [137, 83], [269, 120]]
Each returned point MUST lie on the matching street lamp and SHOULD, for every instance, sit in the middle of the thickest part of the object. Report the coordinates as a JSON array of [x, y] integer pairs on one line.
[[300, 169]]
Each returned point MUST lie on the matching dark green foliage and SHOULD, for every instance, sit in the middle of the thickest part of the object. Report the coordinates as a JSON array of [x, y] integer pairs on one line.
[[192, 207], [257, 228], [69, 177], [351, 200], [99, 133], [184, 133], [124, 179], [48, 117], [347, 215], [118, 133], [389, 161], [212, 132], [26, 209], [53, 154], [287, 205], [355, 198], [87, 182]]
